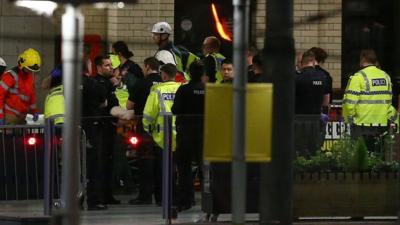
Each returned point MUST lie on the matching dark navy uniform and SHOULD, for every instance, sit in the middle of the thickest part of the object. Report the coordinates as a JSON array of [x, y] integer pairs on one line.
[[141, 90], [189, 108], [328, 79], [108, 131], [311, 86], [93, 96]]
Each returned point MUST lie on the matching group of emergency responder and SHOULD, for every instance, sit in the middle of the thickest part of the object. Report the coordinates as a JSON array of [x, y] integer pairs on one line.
[[172, 82], [367, 101]]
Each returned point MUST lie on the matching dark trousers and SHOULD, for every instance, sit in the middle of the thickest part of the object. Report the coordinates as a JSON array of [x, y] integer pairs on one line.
[[146, 179], [108, 134], [146, 166], [94, 163], [189, 149], [158, 173], [309, 134], [99, 147]]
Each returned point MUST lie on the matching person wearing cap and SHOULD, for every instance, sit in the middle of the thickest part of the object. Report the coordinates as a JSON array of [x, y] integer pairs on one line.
[[54, 103], [169, 53], [3, 66], [17, 89]]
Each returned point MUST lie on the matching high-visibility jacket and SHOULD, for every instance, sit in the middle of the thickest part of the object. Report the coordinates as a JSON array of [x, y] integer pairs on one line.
[[368, 97], [159, 103], [17, 93], [54, 104], [218, 58], [122, 95], [182, 57]]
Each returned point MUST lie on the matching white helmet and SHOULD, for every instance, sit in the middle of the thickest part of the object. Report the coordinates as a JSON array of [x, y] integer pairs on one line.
[[165, 57], [161, 28], [2, 62]]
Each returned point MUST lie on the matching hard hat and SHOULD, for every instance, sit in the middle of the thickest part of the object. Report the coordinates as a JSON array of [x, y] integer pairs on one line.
[[161, 28], [2, 62], [165, 57], [30, 60]]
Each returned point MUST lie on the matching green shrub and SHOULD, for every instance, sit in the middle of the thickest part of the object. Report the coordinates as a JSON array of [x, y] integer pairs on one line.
[[345, 155]]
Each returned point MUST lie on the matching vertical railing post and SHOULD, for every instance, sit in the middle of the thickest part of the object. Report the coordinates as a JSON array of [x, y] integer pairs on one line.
[[72, 55], [239, 174], [48, 175], [167, 169]]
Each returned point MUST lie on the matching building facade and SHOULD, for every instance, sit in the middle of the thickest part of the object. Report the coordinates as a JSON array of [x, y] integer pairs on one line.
[[21, 29]]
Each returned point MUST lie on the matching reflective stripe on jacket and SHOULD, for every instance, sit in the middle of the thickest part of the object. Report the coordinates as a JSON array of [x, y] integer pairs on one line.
[[183, 59], [218, 58], [54, 104], [159, 103], [368, 97], [17, 93], [122, 95]]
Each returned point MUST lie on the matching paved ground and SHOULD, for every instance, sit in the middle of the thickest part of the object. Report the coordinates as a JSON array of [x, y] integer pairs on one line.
[[125, 214]]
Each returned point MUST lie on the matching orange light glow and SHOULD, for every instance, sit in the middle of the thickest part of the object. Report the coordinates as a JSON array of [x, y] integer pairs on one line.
[[218, 24]]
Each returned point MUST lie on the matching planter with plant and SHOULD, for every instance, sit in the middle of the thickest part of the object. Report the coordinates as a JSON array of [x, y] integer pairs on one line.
[[348, 180]]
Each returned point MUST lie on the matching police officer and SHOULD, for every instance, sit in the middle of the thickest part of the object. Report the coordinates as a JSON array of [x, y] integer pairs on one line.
[[189, 109], [320, 57], [213, 59], [108, 129], [312, 98], [93, 100], [54, 103], [158, 104], [137, 100], [367, 100]]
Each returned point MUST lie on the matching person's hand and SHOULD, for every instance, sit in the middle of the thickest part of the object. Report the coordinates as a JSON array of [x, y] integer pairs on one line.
[[35, 117], [324, 118], [2, 122]]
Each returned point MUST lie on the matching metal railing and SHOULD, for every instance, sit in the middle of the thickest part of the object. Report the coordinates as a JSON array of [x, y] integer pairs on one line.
[[30, 162]]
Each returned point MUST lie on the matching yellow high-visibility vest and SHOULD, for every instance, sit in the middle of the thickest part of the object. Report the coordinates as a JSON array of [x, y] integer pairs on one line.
[[159, 103], [54, 104], [122, 95], [368, 97], [218, 58]]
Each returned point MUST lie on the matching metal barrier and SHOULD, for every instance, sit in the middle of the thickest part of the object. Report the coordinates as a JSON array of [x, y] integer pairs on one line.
[[30, 163], [21, 152]]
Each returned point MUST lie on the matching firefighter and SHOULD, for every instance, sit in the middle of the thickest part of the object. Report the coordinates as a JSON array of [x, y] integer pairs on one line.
[[54, 103], [17, 89], [367, 100], [3, 66], [158, 104], [213, 59], [169, 53], [189, 109]]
